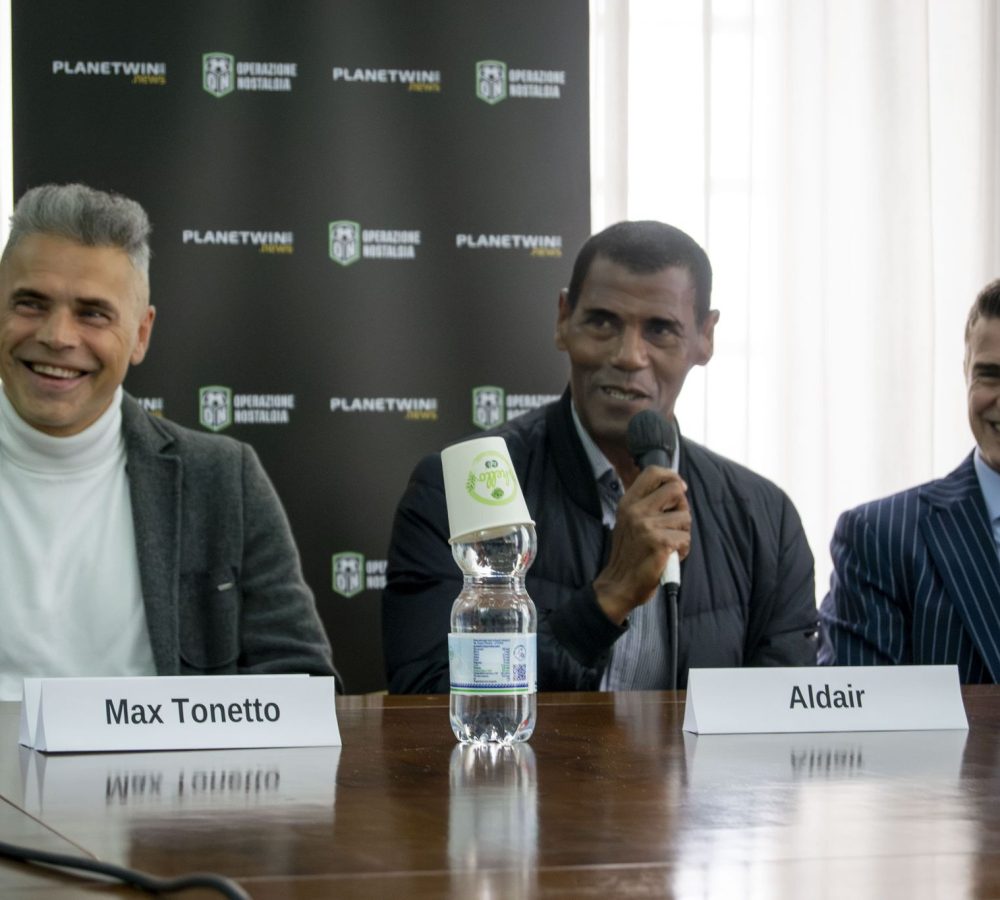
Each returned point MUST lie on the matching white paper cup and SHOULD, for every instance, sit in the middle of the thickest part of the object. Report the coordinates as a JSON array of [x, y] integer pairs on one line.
[[481, 488]]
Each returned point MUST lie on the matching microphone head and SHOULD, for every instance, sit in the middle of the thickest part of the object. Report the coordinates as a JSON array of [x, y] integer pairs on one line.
[[650, 439]]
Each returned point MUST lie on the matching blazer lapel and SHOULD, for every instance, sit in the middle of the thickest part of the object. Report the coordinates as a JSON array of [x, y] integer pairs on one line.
[[155, 490], [960, 541]]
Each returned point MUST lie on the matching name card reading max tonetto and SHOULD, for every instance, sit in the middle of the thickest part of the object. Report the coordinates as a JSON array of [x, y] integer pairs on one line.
[[77, 715], [827, 698]]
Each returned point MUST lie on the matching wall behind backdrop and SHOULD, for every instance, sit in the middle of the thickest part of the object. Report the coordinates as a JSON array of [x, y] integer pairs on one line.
[[363, 212]]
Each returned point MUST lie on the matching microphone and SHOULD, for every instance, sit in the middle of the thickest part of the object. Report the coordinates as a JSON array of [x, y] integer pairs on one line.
[[650, 442]]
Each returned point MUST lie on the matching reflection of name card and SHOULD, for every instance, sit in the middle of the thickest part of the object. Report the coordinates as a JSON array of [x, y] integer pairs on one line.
[[220, 781], [61, 715], [842, 756], [831, 698]]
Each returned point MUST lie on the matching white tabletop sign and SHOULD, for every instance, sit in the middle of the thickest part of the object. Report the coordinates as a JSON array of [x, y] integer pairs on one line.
[[826, 698], [74, 715]]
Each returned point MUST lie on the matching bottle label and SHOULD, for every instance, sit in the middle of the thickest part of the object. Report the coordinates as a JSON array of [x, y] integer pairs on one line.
[[492, 663]]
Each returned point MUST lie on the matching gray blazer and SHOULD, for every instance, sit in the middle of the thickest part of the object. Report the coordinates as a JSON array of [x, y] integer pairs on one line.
[[221, 577]]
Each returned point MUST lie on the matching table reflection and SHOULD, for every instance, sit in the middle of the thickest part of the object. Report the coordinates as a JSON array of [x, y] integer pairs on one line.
[[213, 780], [824, 756], [754, 801], [493, 818], [175, 811]]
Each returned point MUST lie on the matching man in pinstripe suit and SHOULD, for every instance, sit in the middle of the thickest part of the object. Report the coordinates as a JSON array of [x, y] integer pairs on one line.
[[917, 575]]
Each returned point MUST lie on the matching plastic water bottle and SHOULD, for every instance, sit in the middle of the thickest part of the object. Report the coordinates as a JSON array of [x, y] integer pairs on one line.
[[492, 644]]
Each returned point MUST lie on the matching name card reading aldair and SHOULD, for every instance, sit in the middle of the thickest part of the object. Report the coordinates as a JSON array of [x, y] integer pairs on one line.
[[61, 715], [825, 697], [829, 698]]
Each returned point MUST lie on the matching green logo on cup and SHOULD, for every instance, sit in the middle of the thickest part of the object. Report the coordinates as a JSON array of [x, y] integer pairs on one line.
[[491, 479]]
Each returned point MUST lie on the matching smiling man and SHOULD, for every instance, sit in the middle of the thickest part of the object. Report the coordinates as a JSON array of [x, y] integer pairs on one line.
[[635, 319], [916, 577], [128, 545]]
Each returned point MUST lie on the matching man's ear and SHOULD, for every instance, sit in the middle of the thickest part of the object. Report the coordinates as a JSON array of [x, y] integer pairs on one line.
[[706, 338], [143, 335], [562, 319]]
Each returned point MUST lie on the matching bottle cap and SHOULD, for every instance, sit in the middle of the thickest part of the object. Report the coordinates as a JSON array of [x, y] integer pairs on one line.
[[481, 488]]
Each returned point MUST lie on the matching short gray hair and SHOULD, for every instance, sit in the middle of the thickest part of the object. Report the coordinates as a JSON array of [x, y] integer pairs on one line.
[[85, 215]]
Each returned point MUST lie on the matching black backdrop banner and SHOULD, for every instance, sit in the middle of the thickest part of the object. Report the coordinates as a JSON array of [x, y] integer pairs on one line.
[[363, 212]]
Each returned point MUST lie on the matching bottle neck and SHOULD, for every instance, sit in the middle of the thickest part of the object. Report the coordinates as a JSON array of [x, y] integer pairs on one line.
[[498, 557], [505, 581]]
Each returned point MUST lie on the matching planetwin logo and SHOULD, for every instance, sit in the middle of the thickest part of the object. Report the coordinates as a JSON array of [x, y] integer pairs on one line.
[[496, 82], [349, 242], [423, 409], [540, 245], [139, 72], [221, 74], [275, 242], [417, 81], [352, 574], [152, 405]]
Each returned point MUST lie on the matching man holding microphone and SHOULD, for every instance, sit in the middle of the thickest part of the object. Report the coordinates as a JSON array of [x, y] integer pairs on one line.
[[634, 320]]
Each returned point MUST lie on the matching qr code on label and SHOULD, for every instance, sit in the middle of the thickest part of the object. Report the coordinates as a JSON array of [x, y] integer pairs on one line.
[[520, 672]]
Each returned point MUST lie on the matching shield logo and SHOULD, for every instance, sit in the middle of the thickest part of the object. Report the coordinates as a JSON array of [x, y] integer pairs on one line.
[[345, 242], [215, 407], [218, 73], [348, 573], [491, 80], [487, 406]]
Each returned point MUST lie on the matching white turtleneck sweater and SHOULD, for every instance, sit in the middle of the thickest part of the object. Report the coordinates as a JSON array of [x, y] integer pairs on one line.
[[70, 594]]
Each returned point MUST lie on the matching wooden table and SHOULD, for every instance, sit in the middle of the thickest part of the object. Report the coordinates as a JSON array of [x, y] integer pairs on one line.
[[609, 799]]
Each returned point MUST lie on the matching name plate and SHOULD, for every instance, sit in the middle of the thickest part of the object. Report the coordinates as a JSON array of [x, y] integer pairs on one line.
[[828, 698], [74, 715]]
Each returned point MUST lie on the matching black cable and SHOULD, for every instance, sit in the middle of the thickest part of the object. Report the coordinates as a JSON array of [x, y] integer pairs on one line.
[[149, 883], [672, 591]]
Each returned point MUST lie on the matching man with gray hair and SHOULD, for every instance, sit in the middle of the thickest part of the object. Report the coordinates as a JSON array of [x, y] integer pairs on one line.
[[128, 544]]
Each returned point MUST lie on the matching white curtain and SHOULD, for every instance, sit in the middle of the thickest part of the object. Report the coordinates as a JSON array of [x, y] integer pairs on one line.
[[839, 161]]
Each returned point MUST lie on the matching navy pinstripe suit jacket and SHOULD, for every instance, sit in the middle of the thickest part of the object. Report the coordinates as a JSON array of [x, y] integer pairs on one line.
[[916, 580]]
